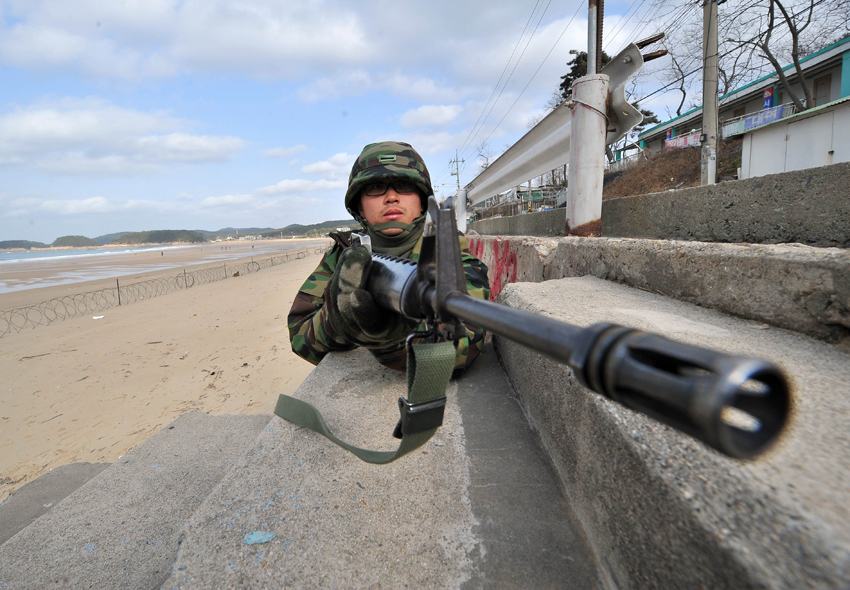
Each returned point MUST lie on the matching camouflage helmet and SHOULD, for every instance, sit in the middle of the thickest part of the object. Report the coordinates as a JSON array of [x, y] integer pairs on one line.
[[386, 161]]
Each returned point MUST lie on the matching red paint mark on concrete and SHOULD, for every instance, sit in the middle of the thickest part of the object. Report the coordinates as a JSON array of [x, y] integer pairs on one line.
[[504, 267], [476, 247]]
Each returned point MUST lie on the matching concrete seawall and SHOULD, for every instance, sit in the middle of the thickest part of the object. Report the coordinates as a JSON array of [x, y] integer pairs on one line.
[[809, 207]]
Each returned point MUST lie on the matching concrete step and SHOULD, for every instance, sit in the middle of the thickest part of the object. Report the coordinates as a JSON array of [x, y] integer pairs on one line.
[[40, 495], [792, 286], [660, 509], [122, 527], [477, 507]]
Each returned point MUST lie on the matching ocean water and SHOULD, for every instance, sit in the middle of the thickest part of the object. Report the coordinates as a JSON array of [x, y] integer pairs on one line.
[[34, 269], [38, 254]]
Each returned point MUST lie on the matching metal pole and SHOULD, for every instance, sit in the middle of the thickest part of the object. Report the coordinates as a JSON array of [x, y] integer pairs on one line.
[[461, 209], [587, 156], [600, 20], [591, 39], [708, 170], [117, 286]]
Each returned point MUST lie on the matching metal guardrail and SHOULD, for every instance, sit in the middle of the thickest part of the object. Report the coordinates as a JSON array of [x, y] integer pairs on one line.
[[546, 146], [71, 306], [626, 162]]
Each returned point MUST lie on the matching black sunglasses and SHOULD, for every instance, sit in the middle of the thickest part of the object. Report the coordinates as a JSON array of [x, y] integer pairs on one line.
[[377, 189]]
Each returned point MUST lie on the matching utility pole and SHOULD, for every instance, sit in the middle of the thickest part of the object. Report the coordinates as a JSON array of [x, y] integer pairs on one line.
[[460, 201], [456, 172], [710, 106]]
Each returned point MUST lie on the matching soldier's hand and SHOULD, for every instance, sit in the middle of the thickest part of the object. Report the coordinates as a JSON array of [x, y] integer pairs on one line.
[[352, 309]]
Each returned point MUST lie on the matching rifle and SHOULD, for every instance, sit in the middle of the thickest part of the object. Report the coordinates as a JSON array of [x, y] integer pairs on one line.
[[737, 405]]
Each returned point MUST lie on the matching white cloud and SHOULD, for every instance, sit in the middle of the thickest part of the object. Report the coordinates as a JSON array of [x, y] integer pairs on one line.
[[227, 200], [86, 206], [77, 163], [295, 186], [430, 116], [361, 81], [336, 167], [181, 147], [136, 40], [280, 152], [90, 136]]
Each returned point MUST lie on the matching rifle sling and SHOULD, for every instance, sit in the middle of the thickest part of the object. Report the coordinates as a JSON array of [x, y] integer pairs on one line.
[[429, 369]]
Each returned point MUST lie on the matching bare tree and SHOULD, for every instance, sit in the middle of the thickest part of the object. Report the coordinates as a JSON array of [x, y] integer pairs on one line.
[[786, 29], [682, 61], [755, 38], [484, 153]]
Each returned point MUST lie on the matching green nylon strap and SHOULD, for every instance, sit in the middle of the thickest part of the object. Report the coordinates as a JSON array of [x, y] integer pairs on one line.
[[429, 369]]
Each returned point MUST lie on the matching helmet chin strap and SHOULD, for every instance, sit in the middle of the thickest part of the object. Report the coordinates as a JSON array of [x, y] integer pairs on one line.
[[399, 244]]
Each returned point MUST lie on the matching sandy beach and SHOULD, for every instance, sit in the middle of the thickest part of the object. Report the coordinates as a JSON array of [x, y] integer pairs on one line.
[[87, 389]]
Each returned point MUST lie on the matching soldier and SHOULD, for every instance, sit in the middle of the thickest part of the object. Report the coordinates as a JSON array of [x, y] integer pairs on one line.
[[387, 191]]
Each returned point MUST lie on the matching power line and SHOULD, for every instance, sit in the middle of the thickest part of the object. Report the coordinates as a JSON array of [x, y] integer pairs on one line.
[[695, 70], [741, 44], [622, 23], [536, 71], [678, 13], [647, 17], [505, 85], [502, 75]]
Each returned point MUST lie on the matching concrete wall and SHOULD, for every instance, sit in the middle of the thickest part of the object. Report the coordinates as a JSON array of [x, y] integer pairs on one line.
[[806, 206], [790, 286], [544, 223]]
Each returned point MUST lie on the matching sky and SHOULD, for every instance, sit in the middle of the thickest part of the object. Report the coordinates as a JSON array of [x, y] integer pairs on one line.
[[132, 115]]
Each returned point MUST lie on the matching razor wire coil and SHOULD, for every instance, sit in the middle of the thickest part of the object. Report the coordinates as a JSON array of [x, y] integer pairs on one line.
[[70, 306]]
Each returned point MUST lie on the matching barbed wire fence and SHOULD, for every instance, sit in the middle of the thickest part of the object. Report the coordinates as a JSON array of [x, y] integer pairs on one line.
[[81, 304]]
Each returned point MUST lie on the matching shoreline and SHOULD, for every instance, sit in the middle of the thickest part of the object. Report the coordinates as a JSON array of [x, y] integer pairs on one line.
[[25, 283], [145, 245]]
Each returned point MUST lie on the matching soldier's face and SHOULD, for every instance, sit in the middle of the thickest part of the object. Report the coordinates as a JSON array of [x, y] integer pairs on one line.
[[391, 206]]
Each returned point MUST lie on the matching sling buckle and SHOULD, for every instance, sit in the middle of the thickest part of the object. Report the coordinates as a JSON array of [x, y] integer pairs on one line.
[[419, 417]]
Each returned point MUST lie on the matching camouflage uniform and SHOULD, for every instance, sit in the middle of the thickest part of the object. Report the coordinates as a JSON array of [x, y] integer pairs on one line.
[[312, 335], [311, 330]]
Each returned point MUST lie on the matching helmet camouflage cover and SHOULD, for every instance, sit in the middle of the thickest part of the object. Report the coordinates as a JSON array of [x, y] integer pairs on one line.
[[386, 161]]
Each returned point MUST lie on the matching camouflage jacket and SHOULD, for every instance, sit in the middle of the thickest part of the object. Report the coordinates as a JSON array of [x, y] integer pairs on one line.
[[312, 336]]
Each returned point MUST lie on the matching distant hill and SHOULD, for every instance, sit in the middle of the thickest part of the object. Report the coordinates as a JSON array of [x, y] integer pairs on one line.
[[317, 229], [109, 238], [74, 242], [229, 231], [202, 235], [8, 244], [162, 236]]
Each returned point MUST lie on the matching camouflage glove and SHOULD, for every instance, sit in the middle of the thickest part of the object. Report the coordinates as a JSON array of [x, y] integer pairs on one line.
[[352, 310]]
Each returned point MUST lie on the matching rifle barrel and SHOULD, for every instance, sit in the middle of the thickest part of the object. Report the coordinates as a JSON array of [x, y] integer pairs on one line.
[[738, 405]]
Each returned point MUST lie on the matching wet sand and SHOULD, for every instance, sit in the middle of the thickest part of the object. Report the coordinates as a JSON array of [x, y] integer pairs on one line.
[[90, 390]]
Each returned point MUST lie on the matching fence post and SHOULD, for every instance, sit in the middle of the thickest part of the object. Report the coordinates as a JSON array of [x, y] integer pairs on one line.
[[185, 281], [225, 270], [118, 286]]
